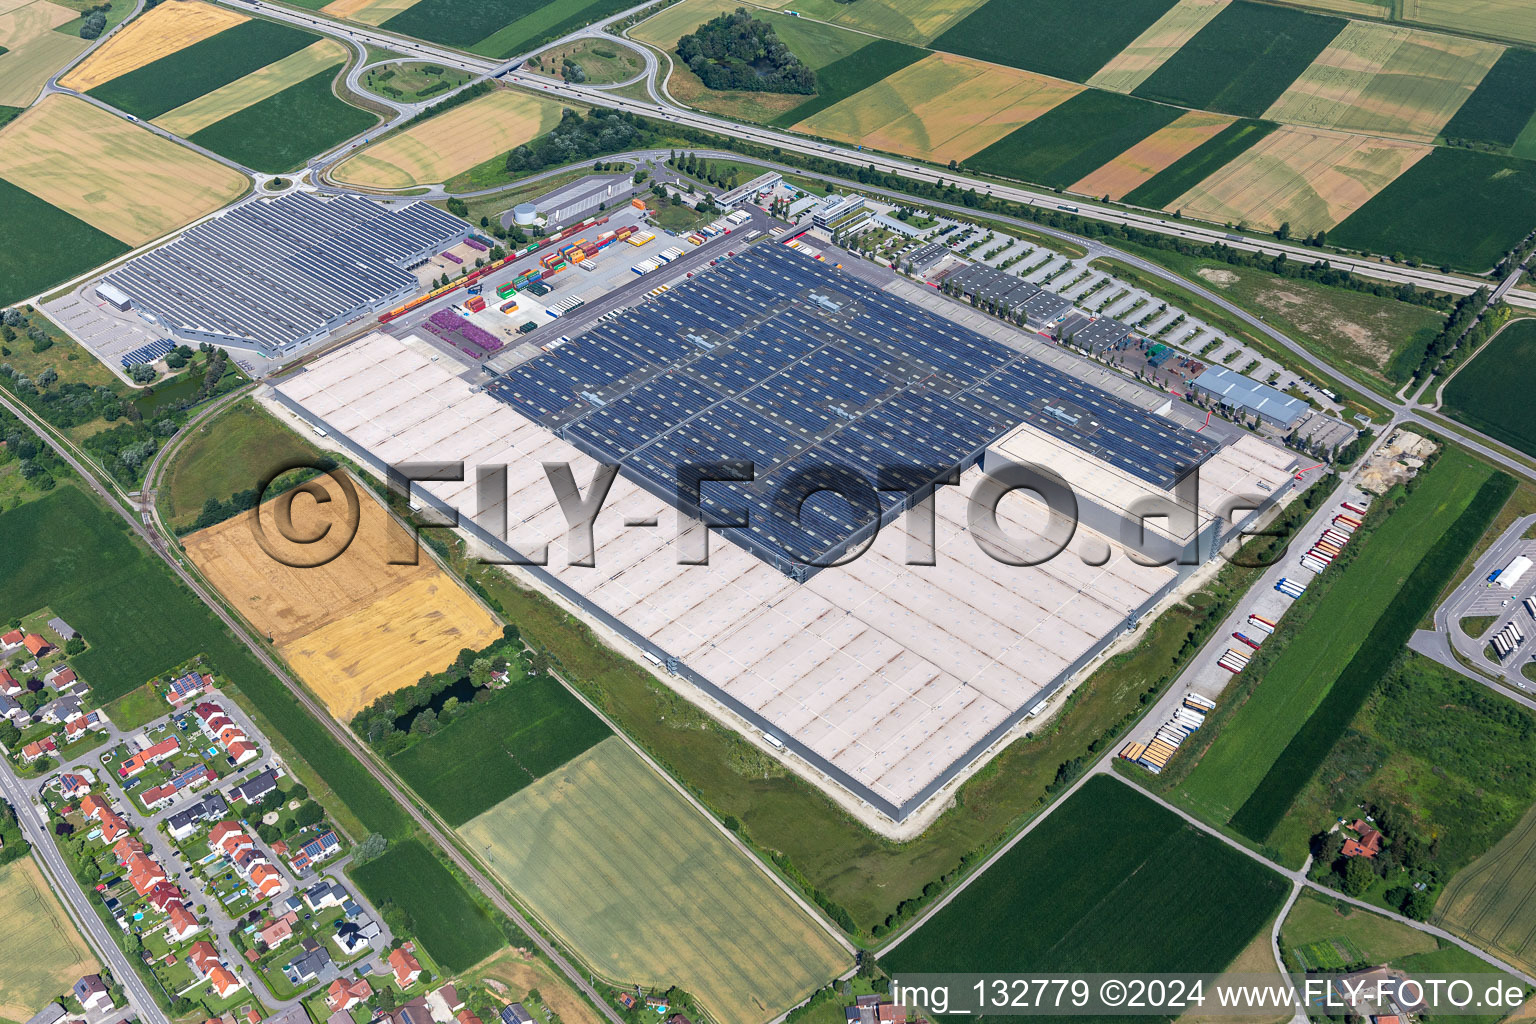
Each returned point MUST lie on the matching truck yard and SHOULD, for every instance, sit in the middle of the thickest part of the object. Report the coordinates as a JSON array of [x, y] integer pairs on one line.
[[1489, 620]]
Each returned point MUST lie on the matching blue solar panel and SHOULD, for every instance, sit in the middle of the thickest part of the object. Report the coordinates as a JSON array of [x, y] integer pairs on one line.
[[815, 377], [148, 353]]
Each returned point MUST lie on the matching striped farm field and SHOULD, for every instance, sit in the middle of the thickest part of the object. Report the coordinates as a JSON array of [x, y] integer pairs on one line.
[[1502, 110], [1311, 178], [1069, 39], [646, 889], [117, 176], [42, 951], [1158, 151], [1132, 65], [1492, 902], [31, 51], [1188, 171], [665, 28], [282, 131], [942, 108], [1387, 80], [159, 32], [1514, 20], [367, 12], [908, 21], [192, 117], [440, 147]]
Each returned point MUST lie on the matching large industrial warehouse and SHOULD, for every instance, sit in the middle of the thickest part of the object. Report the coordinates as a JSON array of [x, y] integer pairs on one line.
[[886, 678], [276, 274]]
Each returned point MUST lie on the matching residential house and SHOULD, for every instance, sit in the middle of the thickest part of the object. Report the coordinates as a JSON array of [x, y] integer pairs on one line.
[[627, 1000], [36, 645], [224, 982], [125, 848], [62, 629], [277, 931], [92, 993], [413, 1012], [312, 964], [202, 958], [266, 879], [290, 1015], [352, 937], [194, 776], [346, 993], [39, 749], [148, 756], [443, 1003], [406, 967], [113, 827], [466, 1017], [11, 641], [8, 684], [339, 1017], [316, 850], [161, 895], [325, 893], [516, 1014], [229, 839], [60, 677], [188, 686], [254, 788], [75, 784], [190, 818], [15, 712], [62, 709], [678, 1018], [144, 873], [1369, 843], [93, 807], [181, 922], [90, 721]]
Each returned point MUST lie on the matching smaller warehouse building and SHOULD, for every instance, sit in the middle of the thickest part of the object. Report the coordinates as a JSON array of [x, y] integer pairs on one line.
[[1247, 395], [1512, 573], [748, 192]]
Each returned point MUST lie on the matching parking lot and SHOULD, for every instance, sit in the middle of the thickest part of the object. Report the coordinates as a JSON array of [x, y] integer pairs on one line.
[[1491, 606]]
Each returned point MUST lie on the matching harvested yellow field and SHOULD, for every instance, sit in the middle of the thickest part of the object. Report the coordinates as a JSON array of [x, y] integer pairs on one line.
[[42, 951], [647, 890], [158, 32], [1387, 80], [944, 107], [368, 12], [390, 644], [1162, 39], [253, 88], [664, 29], [7, 6], [357, 626], [35, 52], [118, 176], [1141, 162], [1497, 19], [436, 150], [1311, 178], [1359, 8]]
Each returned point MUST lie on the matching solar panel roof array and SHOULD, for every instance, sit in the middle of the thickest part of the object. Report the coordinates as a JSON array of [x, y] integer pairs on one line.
[[277, 272], [814, 377]]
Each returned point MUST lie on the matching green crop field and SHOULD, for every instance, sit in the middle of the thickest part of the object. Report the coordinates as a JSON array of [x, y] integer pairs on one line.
[[496, 748], [66, 552], [1243, 60], [1317, 922], [1301, 674], [862, 68], [1065, 143], [1503, 104], [647, 890], [1110, 882], [1493, 902], [1492, 392], [457, 931], [284, 130], [1193, 168], [1414, 599], [182, 77], [239, 450], [1456, 207], [62, 245], [497, 28], [1065, 38]]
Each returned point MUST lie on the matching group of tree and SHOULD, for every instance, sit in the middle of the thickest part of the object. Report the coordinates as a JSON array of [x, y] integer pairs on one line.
[[577, 138], [396, 720], [16, 845], [36, 462], [738, 51], [95, 21], [572, 71], [1405, 860]]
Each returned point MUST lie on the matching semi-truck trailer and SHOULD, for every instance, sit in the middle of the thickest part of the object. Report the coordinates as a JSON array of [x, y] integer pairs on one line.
[[1530, 607], [1351, 506], [1261, 623], [1247, 640]]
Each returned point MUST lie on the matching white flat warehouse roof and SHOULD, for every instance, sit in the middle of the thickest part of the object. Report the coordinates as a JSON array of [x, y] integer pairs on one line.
[[888, 671]]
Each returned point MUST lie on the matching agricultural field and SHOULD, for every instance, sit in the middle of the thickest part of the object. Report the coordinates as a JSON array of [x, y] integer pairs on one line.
[[941, 108], [1387, 80], [367, 12], [73, 245], [1456, 207], [1489, 903], [159, 32], [226, 100], [1500, 112], [236, 451], [282, 131], [1076, 37], [1487, 393], [436, 149], [112, 174], [909, 21], [1152, 155], [512, 739], [160, 86], [356, 627], [646, 889], [1328, 934], [1075, 138], [1301, 675], [1112, 861], [42, 951], [1185, 173], [664, 28], [1243, 59], [1310, 178], [492, 28], [870, 64], [1514, 20], [1134, 64], [457, 931], [34, 43]]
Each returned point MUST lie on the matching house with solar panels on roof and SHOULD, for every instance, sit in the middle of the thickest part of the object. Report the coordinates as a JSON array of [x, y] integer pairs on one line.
[[274, 275]]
